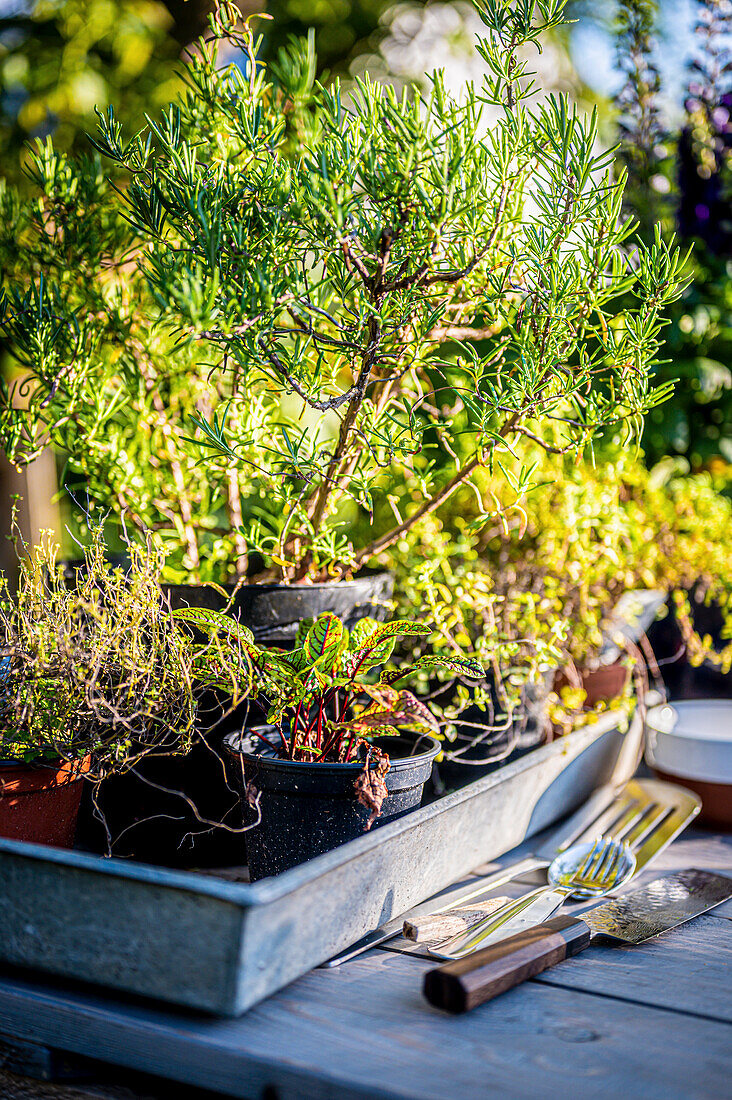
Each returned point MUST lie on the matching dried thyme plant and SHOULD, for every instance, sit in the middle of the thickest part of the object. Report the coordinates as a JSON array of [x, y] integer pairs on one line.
[[93, 667]]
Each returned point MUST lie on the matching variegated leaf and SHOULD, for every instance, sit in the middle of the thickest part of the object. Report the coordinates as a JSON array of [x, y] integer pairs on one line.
[[361, 631], [379, 731], [378, 646], [326, 639], [468, 667], [214, 673], [217, 626], [391, 675], [302, 631], [401, 708], [298, 659], [210, 622], [382, 694]]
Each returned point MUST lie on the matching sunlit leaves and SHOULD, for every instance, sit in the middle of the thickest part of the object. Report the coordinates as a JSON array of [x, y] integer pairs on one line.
[[326, 639]]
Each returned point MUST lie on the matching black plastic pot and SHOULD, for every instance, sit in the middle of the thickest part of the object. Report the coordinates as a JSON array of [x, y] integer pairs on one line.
[[273, 611], [308, 809], [151, 823], [475, 753], [681, 679]]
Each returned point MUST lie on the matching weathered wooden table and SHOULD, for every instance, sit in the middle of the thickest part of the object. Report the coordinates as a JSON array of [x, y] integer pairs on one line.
[[653, 1021]]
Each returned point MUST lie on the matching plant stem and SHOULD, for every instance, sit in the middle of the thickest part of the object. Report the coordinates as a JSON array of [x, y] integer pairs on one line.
[[330, 479], [235, 521], [434, 502]]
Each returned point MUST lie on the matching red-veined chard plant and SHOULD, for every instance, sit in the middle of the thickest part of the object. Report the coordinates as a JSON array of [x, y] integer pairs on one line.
[[326, 698]]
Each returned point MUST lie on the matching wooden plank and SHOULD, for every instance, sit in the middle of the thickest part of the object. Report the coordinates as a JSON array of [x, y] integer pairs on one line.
[[29, 1059], [688, 969], [364, 1031]]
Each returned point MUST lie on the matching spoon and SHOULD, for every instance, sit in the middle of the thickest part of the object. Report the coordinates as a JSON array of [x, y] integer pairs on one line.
[[587, 870]]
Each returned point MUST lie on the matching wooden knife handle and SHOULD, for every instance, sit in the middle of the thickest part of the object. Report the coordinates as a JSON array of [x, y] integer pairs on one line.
[[461, 985]]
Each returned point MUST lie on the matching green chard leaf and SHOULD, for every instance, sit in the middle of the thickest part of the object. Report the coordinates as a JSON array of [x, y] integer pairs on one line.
[[326, 639]]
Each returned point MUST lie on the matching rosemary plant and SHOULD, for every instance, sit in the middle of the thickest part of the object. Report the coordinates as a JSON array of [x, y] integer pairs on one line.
[[305, 318]]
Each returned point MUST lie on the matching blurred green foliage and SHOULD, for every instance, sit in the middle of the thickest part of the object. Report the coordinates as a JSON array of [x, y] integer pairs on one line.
[[61, 58], [343, 28], [58, 58], [697, 422], [679, 174]]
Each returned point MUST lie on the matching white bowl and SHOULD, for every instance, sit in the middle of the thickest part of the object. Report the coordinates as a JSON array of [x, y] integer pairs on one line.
[[692, 741]]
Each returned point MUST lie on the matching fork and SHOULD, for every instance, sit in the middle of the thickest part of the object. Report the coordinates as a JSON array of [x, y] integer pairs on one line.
[[635, 823], [602, 867], [647, 813]]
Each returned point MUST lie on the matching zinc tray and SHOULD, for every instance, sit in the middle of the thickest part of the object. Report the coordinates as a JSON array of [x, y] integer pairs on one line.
[[202, 942]]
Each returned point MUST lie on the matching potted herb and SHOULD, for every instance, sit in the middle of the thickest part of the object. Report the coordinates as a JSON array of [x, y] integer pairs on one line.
[[342, 747], [532, 589], [548, 572], [92, 679], [349, 306]]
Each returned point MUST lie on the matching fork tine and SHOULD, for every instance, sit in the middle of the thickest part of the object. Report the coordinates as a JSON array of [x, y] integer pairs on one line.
[[609, 855], [587, 862], [586, 872], [601, 866], [613, 866], [606, 850], [617, 866]]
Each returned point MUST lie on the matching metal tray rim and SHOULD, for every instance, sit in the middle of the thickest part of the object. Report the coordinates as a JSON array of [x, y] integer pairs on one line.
[[247, 895]]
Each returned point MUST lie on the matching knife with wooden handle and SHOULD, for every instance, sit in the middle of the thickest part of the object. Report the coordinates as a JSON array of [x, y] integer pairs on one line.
[[631, 918]]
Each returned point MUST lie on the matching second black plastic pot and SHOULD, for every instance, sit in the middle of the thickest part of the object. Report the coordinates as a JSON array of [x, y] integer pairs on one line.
[[476, 752], [307, 809], [273, 611]]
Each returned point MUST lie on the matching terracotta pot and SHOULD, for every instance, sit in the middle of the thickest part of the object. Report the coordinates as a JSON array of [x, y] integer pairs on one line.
[[600, 684], [40, 802]]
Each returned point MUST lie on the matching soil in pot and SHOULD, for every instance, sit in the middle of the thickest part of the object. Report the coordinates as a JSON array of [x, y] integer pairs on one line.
[[273, 611], [39, 803], [307, 809]]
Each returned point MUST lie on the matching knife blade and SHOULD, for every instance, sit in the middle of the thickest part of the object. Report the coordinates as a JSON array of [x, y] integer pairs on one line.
[[631, 918]]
